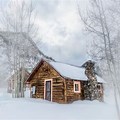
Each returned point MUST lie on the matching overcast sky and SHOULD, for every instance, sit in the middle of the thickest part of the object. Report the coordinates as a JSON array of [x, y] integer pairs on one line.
[[60, 29]]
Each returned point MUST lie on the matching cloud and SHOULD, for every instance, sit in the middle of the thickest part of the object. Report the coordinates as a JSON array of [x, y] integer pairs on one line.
[[72, 50], [61, 31], [46, 8]]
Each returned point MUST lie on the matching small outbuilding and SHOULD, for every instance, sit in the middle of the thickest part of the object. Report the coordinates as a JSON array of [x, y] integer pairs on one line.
[[60, 82], [11, 82]]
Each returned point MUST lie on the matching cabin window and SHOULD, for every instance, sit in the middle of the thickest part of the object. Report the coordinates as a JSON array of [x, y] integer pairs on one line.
[[33, 89], [77, 88]]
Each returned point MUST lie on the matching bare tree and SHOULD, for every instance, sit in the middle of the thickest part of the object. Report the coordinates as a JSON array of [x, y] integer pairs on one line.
[[100, 23], [19, 18]]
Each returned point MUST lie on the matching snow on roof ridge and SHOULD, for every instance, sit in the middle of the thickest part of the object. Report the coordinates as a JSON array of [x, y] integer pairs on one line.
[[72, 71], [67, 64]]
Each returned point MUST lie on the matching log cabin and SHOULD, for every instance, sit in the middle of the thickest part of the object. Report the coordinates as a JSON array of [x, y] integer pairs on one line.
[[60, 82]]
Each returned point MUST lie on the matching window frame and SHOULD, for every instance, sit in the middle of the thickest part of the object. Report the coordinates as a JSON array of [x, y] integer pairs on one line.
[[51, 88], [79, 87]]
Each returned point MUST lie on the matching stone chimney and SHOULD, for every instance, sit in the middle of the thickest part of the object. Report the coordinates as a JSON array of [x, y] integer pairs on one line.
[[91, 91]]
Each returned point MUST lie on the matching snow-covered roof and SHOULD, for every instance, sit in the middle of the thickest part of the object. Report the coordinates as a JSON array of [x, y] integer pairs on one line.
[[99, 79], [72, 72]]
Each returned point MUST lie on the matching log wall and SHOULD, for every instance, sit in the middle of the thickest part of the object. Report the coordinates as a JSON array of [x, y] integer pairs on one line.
[[62, 89], [71, 95], [47, 72]]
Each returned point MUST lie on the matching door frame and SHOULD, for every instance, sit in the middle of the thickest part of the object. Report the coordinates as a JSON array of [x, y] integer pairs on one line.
[[45, 88]]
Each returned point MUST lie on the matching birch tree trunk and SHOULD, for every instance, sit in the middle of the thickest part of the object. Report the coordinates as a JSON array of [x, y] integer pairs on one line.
[[98, 22], [19, 18]]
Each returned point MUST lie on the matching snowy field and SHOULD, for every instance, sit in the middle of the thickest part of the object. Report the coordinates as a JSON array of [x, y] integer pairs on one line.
[[32, 109]]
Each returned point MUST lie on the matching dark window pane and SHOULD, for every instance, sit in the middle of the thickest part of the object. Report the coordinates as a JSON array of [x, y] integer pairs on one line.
[[76, 87], [98, 86]]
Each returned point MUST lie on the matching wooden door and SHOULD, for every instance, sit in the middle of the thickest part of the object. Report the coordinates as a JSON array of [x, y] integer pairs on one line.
[[48, 90]]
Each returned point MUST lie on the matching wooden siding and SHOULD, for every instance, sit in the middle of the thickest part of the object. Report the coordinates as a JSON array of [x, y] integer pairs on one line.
[[62, 88], [47, 72], [71, 95], [58, 90]]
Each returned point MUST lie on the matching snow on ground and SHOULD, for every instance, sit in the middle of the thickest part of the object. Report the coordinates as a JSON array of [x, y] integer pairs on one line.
[[37, 109]]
